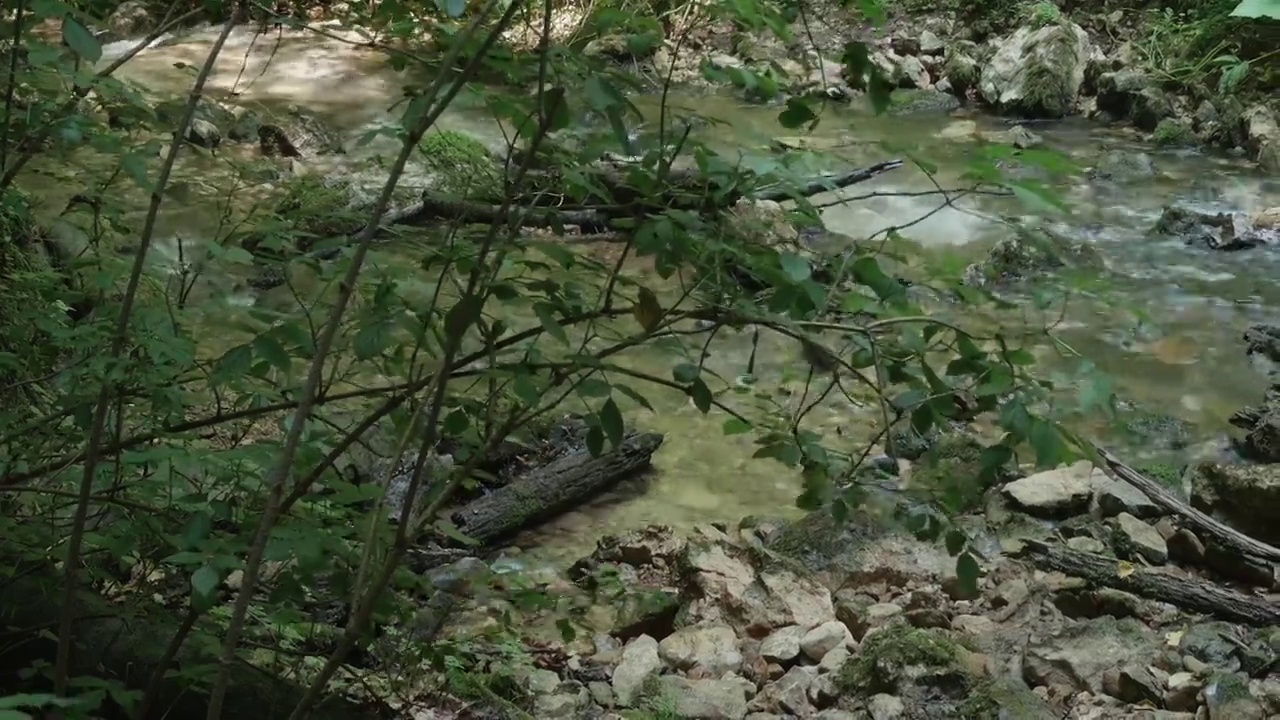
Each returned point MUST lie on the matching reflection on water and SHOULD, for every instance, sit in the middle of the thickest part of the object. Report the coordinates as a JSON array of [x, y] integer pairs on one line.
[[1167, 325]]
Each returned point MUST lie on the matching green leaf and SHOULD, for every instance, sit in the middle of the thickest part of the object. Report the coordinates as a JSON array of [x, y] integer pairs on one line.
[[734, 426], [461, 316], [797, 113], [1257, 9], [567, 631], [796, 267], [197, 530], [611, 422], [1047, 443], [372, 339], [80, 40], [701, 395], [204, 582], [595, 440], [955, 541], [631, 393], [270, 349], [456, 422], [593, 387], [647, 311], [545, 311], [967, 572]]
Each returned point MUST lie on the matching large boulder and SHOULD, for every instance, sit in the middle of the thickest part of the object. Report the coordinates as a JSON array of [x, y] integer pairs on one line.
[[1037, 72], [1262, 136]]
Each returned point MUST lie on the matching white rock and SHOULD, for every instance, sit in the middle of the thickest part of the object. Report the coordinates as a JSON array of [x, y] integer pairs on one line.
[[639, 662], [823, 639], [712, 647], [1054, 493], [783, 645], [885, 707], [1142, 538]]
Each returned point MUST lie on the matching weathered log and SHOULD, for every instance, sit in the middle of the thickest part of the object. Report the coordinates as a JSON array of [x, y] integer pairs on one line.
[[1209, 528], [553, 488], [1189, 593], [626, 205], [125, 641]]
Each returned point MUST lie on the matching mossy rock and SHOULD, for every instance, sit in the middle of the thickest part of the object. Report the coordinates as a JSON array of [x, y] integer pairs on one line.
[[915, 102], [463, 164], [884, 659], [821, 543], [1033, 251], [950, 473], [1171, 132]]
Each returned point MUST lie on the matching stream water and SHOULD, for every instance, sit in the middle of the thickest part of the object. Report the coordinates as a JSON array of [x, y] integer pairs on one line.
[[1173, 344]]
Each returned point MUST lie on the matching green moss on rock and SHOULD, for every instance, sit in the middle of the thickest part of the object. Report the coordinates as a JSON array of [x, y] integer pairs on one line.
[[884, 658], [1171, 132], [463, 164]]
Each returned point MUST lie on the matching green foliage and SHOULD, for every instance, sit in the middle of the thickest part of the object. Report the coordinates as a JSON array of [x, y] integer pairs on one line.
[[1171, 132], [219, 439], [882, 660]]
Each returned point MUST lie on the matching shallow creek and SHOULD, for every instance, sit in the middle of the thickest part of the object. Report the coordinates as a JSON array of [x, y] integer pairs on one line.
[[1173, 344]]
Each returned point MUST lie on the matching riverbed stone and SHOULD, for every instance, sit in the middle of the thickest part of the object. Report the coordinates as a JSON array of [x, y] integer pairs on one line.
[[1055, 493], [640, 662], [731, 585], [1135, 538], [1076, 658], [823, 639], [783, 645], [1115, 497], [1262, 136], [713, 648], [707, 699]]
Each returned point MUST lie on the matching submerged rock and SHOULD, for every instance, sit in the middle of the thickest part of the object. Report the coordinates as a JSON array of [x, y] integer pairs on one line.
[[1216, 231], [1123, 166], [1031, 251], [1037, 72]]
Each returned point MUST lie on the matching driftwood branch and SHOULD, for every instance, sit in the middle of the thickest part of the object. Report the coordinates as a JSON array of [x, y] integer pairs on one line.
[[553, 488], [1208, 527], [1189, 593]]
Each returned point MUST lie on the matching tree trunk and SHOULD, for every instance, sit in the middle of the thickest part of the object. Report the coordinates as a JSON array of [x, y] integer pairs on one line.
[[553, 488]]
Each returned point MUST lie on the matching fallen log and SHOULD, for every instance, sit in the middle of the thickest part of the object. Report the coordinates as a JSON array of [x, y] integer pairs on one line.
[[1209, 528], [602, 218], [1189, 593], [543, 493], [125, 641]]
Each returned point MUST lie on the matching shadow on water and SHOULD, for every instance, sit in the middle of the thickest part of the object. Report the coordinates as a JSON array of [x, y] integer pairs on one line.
[[1166, 323]]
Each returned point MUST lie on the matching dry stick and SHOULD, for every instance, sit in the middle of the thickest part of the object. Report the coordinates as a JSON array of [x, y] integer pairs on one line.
[[310, 392], [1208, 527], [62, 664], [81, 90]]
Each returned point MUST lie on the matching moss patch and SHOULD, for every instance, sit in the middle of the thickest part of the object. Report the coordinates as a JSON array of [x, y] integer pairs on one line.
[[883, 658], [1171, 133], [463, 164], [951, 473]]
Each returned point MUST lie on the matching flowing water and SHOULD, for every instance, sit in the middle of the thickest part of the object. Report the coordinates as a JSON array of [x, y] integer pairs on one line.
[[1173, 342]]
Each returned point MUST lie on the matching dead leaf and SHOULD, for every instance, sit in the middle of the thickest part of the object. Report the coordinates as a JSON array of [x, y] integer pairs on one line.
[[1125, 569], [1176, 350]]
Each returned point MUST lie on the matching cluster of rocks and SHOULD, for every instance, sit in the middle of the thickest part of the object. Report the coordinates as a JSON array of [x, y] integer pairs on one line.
[[1218, 230], [867, 622]]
